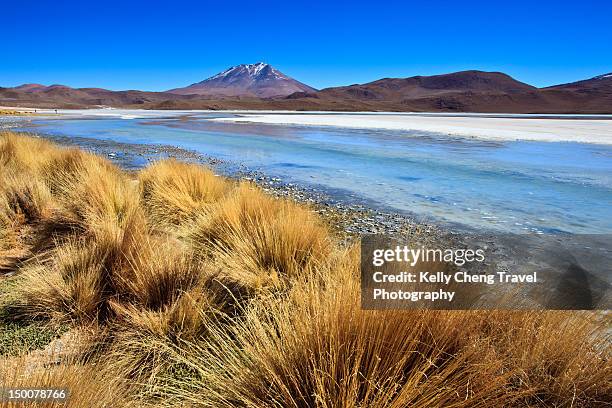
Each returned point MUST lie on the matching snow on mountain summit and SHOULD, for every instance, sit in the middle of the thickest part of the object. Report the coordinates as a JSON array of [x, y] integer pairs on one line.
[[260, 69], [256, 80]]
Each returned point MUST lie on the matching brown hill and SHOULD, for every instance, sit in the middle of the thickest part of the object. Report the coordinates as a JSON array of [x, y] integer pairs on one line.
[[589, 96], [60, 96], [601, 83], [398, 89], [466, 91], [30, 87]]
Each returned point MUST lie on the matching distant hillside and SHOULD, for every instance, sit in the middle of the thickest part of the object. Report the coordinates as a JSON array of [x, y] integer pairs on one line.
[[589, 95], [255, 80], [260, 86], [469, 91], [600, 83], [460, 91], [60, 96], [399, 89]]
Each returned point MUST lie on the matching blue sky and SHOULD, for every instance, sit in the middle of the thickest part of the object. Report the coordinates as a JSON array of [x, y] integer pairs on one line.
[[161, 45]]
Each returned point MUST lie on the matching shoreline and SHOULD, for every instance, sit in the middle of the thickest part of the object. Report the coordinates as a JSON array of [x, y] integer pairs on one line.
[[459, 216], [270, 179], [487, 127], [575, 128], [350, 216], [348, 219]]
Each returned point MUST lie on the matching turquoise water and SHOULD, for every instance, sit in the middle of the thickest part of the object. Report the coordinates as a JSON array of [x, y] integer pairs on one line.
[[518, 186]]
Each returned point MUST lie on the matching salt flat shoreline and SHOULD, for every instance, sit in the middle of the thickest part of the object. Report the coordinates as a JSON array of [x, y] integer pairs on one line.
[[522, 127], [499, 126]]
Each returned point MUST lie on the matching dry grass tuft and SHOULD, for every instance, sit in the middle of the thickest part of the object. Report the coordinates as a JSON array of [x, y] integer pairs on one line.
[[24, 154], [174, 192], [93, 195], [24, 200], [260, 242]]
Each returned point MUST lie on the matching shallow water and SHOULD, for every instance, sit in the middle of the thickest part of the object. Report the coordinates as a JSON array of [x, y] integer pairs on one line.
[[518, 186]]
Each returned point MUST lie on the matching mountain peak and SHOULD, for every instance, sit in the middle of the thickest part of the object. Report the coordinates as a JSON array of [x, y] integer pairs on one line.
[[251, 70], [256, 80]]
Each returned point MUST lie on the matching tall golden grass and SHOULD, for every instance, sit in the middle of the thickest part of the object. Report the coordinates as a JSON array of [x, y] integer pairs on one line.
[[175, 192], [207, 292]]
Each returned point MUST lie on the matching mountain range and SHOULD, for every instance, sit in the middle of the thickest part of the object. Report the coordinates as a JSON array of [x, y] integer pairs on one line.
[[261, 86]]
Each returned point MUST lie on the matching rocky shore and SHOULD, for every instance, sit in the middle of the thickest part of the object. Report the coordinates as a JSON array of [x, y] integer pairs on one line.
[[347, 216]]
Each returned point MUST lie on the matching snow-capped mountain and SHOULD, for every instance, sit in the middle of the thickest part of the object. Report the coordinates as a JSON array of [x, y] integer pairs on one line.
[[258, 80]]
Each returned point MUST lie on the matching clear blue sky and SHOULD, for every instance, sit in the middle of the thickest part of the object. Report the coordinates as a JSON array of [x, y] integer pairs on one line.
[[161, 45]]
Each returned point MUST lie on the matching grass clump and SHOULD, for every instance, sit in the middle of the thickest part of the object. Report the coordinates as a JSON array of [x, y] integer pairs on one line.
[[174, 192], [260, 242]]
